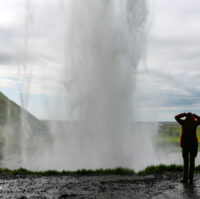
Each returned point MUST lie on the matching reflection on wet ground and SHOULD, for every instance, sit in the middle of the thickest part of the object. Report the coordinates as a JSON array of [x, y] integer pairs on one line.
[[191, 191], [185, 191], [121, 187]]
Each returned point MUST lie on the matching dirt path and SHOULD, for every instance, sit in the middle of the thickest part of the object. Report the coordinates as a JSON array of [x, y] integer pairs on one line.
[[151, 186]]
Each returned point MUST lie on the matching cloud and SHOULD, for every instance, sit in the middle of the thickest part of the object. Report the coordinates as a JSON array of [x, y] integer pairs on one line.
[[170, 82], [31, 36]]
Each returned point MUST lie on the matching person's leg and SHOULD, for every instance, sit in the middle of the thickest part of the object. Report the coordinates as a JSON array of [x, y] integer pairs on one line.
[[193, 154], [185, 155]]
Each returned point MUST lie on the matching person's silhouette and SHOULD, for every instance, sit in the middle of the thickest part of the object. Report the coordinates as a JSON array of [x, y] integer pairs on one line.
[[189, 143]]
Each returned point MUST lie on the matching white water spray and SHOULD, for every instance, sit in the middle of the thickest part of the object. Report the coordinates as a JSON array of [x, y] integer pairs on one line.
[[103, 42]]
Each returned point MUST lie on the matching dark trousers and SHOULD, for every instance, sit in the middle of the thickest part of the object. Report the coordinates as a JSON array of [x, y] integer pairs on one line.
[[189, 162]]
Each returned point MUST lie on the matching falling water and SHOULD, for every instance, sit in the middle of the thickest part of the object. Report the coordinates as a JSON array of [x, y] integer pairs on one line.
[[101, 45], [104, 43]]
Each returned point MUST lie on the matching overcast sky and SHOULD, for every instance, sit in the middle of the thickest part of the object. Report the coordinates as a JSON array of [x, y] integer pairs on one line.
[[168, 82]]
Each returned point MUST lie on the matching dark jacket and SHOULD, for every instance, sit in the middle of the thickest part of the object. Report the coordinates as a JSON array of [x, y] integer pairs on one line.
[[189, 138]]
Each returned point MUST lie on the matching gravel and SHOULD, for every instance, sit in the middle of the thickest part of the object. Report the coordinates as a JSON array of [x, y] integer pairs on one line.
[[157, 186]]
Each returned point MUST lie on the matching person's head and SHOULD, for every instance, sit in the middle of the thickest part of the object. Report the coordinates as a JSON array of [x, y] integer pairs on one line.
[[189, 116]]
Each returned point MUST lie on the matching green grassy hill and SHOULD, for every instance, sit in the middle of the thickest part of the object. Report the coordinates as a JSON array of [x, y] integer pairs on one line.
[[17, 124], [14, 111], [10, 113]]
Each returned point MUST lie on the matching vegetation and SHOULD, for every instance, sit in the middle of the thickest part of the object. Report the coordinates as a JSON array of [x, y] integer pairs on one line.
[[116, 171], [154, 169], [161, 169], [169, 134], [11, 125]]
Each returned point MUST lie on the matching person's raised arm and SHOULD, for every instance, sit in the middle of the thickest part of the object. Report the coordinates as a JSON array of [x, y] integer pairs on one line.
[[178, 118], [197, 118]]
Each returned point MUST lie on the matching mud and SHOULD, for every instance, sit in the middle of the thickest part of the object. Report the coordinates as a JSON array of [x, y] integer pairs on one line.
[[59, 187]]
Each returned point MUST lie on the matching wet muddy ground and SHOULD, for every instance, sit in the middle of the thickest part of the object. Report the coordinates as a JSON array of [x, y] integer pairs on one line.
[[167, 185]]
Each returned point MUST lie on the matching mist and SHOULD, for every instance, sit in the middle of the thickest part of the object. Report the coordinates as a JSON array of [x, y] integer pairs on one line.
[[91, 63]]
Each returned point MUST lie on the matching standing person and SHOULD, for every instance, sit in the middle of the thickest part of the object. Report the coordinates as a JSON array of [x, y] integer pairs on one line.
[[189, 143]]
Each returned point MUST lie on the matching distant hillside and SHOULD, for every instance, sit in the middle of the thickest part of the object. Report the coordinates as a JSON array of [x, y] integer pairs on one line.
[[17, 124], [10, 113]]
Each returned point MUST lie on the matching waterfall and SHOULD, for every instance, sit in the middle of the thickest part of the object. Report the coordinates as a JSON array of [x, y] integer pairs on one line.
[[98, 46]]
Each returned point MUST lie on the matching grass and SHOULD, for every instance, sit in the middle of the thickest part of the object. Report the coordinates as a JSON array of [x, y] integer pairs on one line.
[[161, 169], [116, 171], [153, 169]]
